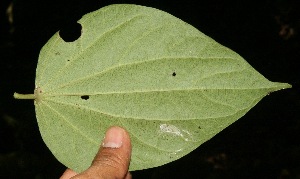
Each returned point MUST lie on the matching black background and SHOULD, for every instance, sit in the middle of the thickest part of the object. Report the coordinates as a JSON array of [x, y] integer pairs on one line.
[[262, 144]]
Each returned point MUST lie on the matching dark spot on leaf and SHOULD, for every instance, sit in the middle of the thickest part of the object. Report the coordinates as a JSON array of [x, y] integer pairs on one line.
[[85, 97], [174, 74], [70, 32]]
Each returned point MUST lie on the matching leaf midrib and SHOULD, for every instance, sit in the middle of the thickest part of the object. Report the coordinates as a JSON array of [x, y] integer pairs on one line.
[[122, 117]]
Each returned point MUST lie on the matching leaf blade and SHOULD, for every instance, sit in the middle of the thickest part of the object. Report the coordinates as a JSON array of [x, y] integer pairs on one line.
[[168, 84]]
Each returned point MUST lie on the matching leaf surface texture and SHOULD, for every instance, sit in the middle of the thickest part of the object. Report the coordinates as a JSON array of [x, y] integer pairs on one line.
[[168, 84]]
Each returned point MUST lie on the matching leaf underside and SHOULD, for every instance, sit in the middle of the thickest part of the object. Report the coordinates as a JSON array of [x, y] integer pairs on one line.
[[168, 84]]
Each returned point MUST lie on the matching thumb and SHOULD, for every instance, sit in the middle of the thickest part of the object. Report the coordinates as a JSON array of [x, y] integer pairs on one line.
[[113, 158]]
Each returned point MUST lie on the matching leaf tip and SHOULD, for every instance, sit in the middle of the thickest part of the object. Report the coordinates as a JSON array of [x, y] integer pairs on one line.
[[281, 86], [285, 85]]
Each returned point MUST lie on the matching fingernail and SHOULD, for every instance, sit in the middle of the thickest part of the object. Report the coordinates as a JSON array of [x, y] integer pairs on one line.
[[113, 138]]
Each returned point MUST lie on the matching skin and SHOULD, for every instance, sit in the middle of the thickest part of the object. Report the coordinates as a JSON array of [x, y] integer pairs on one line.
[[112, 160]]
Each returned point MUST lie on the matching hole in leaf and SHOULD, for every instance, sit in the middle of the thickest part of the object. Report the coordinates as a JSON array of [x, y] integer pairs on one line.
[[174, 74], [85, 97], [70, 32]]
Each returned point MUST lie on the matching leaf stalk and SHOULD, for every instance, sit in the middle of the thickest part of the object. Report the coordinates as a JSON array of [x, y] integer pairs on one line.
[[24, 96]]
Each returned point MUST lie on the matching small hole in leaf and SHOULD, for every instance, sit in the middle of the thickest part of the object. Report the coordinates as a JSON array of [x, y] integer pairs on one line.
[[70, 32], [173, 74], [85, 97]]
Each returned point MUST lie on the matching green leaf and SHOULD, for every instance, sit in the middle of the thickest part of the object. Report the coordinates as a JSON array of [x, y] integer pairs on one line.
[[168, 84]]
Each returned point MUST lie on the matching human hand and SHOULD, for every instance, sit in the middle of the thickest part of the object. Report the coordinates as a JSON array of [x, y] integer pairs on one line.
[[112, 160]]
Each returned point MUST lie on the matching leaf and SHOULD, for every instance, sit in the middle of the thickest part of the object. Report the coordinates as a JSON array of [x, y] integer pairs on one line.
[[169, 85]]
